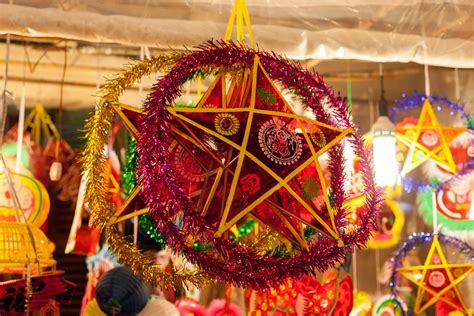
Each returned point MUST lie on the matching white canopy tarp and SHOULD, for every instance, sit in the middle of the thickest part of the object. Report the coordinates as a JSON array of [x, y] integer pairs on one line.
[[433, 32]]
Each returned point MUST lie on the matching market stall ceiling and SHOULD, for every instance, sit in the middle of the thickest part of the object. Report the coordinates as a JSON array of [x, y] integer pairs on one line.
[[433, 32], [38, 64]]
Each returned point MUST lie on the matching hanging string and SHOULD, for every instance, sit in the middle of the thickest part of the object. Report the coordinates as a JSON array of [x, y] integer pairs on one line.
[[427, 81], [457, 90], [21, 124], [240, 15], [61, 94], [5, 93], [433, 198]]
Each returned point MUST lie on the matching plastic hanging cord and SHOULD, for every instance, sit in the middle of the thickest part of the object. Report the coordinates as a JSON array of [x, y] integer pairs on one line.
[[457, 90], [240, 15], [61, 95], [21, 123], [427, 81]]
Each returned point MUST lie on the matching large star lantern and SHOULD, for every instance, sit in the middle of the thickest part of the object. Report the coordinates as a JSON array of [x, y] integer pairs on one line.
[[243, 151], [428, 139], [437, 280]]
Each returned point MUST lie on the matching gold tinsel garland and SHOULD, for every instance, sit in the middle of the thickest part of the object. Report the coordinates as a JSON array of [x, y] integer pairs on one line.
[[97, 191]]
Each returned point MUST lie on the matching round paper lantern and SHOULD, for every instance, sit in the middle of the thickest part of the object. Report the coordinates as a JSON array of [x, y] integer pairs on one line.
[[119, 292], [17, 251]]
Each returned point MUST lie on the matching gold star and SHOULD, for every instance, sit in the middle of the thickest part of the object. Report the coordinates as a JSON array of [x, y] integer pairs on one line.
[[437, 280], [428, 140]]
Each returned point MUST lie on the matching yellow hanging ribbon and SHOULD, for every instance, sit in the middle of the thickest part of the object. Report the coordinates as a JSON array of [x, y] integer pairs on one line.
[[39, 121], [240, 15]]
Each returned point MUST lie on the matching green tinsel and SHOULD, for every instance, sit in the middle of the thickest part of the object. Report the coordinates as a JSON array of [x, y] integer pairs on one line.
[[129, 181]]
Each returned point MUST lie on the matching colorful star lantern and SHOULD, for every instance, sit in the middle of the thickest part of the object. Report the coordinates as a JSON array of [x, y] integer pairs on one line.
[[426, 140], [437, 279], [243, 150], [240, 153]]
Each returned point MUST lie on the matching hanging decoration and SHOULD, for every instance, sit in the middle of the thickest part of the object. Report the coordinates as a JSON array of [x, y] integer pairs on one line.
[[454, 196], [426, 140], [453, 205], [47, 149], [45, 287], [305, 296], [17, 251], [437, 279], [33, 198]]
